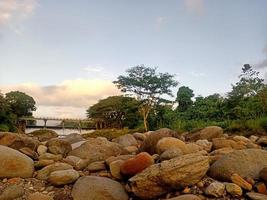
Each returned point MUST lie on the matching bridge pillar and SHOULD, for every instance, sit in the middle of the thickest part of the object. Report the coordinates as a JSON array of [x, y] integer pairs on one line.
[[45, 120]]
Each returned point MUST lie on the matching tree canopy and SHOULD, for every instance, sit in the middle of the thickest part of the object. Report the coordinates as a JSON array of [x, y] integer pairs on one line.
[[148, 86]]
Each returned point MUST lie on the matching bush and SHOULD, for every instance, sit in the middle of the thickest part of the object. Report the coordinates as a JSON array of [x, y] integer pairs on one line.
[[4, 128], [263, 123], [107, 133]]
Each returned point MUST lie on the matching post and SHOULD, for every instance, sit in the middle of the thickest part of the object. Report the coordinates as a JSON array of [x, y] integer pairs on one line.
[[45, 120], [63, 126], [79, 126]]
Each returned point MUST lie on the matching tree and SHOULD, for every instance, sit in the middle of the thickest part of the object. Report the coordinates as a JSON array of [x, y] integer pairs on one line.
[[263, 98], [115, 112], [148, 86], [184, 98], [20, 103]]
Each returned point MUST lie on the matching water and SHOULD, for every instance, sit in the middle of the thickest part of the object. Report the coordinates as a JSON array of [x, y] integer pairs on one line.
[[65, 131]]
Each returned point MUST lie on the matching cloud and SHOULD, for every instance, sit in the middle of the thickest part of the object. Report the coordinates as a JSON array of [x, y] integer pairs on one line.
[[197, 74], [195, 6], [263, 63], [68, 97], [97, 69], [159, 22], [13, 11]]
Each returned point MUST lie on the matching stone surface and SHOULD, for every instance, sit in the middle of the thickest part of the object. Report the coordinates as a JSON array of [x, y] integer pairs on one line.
[[260, 187], [73, 138], [186, 197], [175, 173], [96, 166], [207, 133], [93, 188], [120, 157], [205, 144], [241, 182], [135, 165], [170, 153], [39, 196], [256, 196], [262, 141], [50, 156], [192, 148], [29, 152], [246, 163], [43, 163], [12, 192], [170, 143], [215, 189], [15, 164], [126, 140], [115, 168], [76, 162], [58, 146], [44, 134], [263, 174], [219, 143], [139, 136], [41, 149], [44, 173], [62, 177], [96, 149], [233, 189]]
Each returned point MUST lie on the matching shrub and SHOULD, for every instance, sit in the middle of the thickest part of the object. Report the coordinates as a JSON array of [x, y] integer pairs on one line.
[[263, 123], [4, 128], [107, 133]]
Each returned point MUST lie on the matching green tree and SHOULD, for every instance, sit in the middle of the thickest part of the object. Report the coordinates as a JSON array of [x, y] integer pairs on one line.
[[7, 119], [148, 86], [115, 112], [184, 98], [263, 98], [20, 103]]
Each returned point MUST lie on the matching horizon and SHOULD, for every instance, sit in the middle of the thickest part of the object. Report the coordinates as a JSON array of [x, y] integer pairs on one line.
[[67, 55]]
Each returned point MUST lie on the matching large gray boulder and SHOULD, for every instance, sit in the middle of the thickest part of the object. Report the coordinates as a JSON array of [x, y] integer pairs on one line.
[[126, 140], [207, 133], [15, 164], [246, 163], [176, 173], [93, 188], [97, 149], [58, 146]]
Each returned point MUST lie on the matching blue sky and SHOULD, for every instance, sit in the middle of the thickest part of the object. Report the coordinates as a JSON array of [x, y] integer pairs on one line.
[[66, 53]]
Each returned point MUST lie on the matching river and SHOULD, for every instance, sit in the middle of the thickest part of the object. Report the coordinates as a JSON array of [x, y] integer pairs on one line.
[[65, 131]]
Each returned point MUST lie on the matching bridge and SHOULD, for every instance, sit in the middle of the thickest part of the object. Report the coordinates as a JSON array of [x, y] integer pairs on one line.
[[30, 122]]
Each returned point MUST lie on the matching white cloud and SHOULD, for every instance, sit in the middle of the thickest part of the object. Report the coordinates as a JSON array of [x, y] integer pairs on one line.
[[197, 74], [96, 69], [67, 98], [195, 6], [263, 63]]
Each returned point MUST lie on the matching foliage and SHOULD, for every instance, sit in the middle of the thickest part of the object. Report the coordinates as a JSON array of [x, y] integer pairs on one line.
[[107, 133], [115, 112], [4, 127], [184, 98], [20, 103], [148, 86], [263, 123]]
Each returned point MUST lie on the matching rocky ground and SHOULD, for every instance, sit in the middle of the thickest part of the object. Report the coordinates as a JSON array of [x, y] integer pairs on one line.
[[207, 164]]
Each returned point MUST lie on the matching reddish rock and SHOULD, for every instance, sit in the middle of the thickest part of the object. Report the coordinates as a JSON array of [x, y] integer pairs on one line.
[[135, 165], [261, 188]]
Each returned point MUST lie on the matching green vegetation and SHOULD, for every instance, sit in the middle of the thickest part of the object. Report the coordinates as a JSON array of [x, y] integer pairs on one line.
[[13, 105]]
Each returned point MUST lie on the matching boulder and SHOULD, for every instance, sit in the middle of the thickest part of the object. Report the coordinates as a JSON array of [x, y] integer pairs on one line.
[[176, 173], [238, 180], [120, 157], [62, 177], [170, 143], [126, 140], [39, 196], [96, 149], [96, 166], [263, 174], [135, 165], [44, 134], [12, 192], [262, 141], [58, 146], [233, 189], [42, 163], [207, 133], [192, 148], [15, 164], [76, 162], [92, 187], [246, 163], [44, 173], [18, 141], [149, 144], [41, 149], [139, 136], [256, 196], [170, 153], [186, 197], [115, 168], [27, 151], [205, 144], [219, 143], [215, 189], [50, 156], [73, 138]]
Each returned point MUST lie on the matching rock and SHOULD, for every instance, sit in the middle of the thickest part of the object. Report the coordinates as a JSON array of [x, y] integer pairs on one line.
[[58, 146], [246, 163], [149, 144], [207, 133], [126, 140], [192, 148], [263, 174], [120, 157], [233, 189], [219, 143], [170, 153], [176, 173], [92, 187], [39, 196], [95, 149], [135, 165], [44, 173], [115, 168], [27, 151], [139, 136], [131, 149], [76, 162], [253, 138], [62, 177], [73, 138], [12, 192], [222, 151], [17, 141], [205, 144], [241, 182], [15, 164], [41, 149], [50, 156], [260, 187], [96, 166], [43, 163], [44, 134], [262, 141], [186, 197], [77, 144], [170, 143], [256, 196], [215, 189]]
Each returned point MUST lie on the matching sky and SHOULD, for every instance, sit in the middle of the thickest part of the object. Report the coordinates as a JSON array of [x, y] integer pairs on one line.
[[66, 54]]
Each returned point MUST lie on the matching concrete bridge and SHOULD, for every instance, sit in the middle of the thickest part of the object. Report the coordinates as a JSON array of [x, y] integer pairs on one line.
[[30, 122]]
